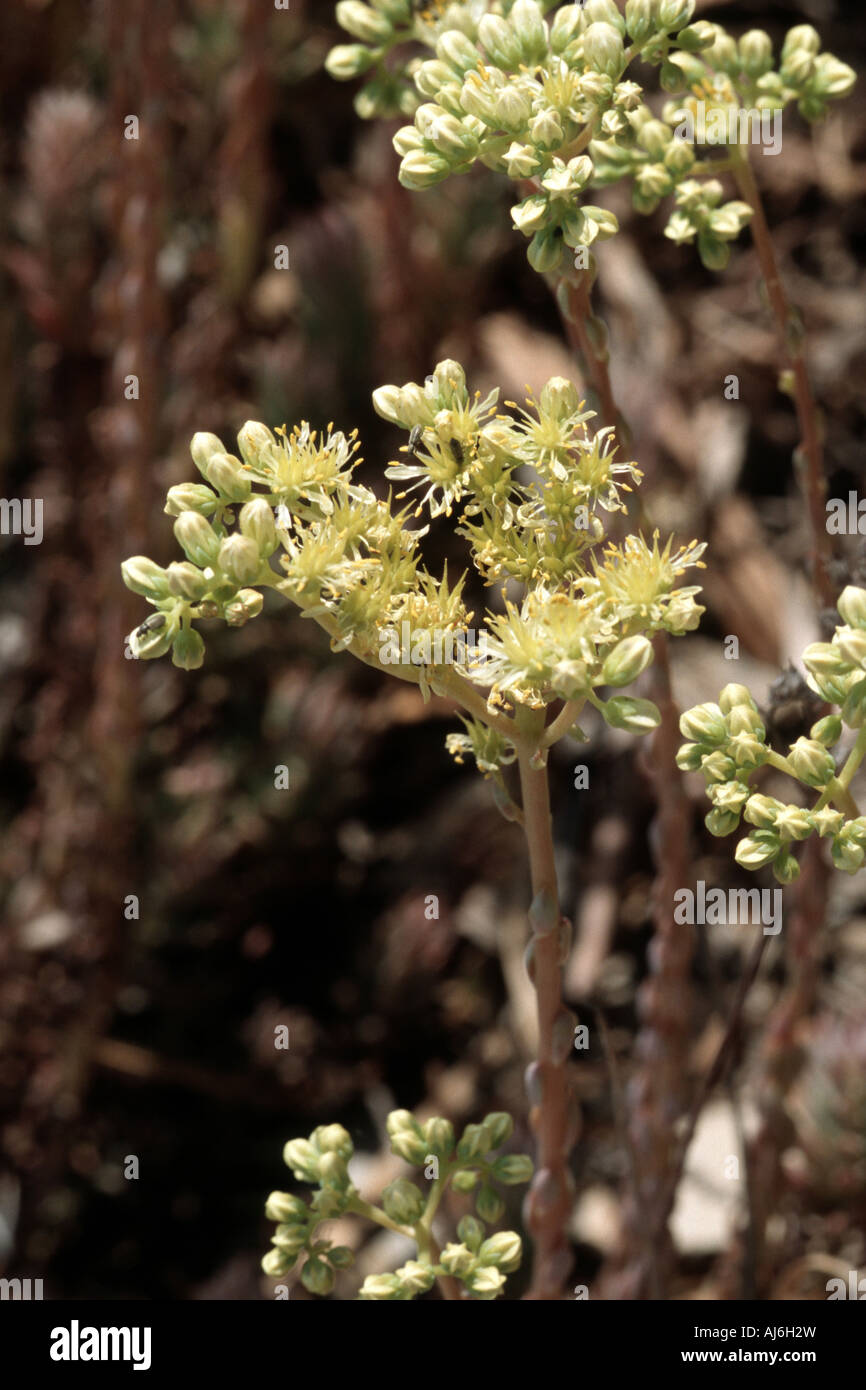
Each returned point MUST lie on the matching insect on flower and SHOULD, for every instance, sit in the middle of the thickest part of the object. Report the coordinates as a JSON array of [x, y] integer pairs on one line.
[[151, 624]]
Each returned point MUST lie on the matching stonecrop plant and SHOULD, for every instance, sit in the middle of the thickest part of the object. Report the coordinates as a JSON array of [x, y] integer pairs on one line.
[[546, 96], [728, 743]]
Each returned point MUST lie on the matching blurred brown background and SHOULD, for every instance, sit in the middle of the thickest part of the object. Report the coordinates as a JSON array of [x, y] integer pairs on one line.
[[153, 1035]]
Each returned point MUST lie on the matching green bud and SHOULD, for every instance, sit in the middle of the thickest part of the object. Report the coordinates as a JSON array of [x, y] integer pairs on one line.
[[545, 252], [532, 214], [475, 1142], [854, 707], [503, 1250], [197, 539], [827, 731], [333, 1171], [852, 606], [851, 642], [246, 604], [341, 1257], [257, 524], [812, 763], [721, 822], [284, 1207], [333, 1139], [675, 14], [403, 1202], [633, 715], [224, 472], [762, 811], [718, 767], [498, 1126], [530, 30], [625, 663], [348, 60], [794, 823], [464, 1180], [735, 695], [804, 37], [824, 659], [756, 52], [258, 447], [512, 1169], [827, 821], [846, 854], [704, 724], [640, 19], [458, 51], [302, 1158], [187, 650], [689, 757], [744, 720], [203, 447], [291, 1238], [714, 253], [747, 751], [489, 1205], [190, 497], [277, 1263], [239, 559], [187, 581], [439, 1137], [144, 577], [379, 1288], [415, 1277], [500, 41], [728, 796], [603, 49], [566, 26], [420, 169], [485, 1282], [471, 1232], [697, 36], [831, 78], [785, 867], [153, 642], [363, 23], [456, 1259], [317, 1276], [757, 849], [408, 1145]]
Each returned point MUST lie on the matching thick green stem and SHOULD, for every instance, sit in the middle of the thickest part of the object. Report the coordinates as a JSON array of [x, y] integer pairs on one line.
[[550, 1197]]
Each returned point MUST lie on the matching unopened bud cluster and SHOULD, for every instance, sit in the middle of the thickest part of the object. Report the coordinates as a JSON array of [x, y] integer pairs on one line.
[[728, 743], [470, 1164], [546, 97]]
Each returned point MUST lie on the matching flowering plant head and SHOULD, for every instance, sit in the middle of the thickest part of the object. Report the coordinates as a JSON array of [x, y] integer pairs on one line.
[[728, 744], [531, 491], [546, 95]]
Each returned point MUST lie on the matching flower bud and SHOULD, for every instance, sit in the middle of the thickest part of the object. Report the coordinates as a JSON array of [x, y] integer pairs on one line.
[[785, 867], [804, 37], [530, 30], [846, 854], [256, 522], [794, 823], [735, 695], [409, 1146], [827, 731], [721, 822], [341, 1257], [291, 1238], [239, 559], [675, 14], [545, 252], [744, 720], [456, 1259], [512, 109], [348, 60], [190, 497], [439, 1137], [689, 757], [704, 724], [379, 1288], [565, 27], [812, 763], [333, 1139], [475, 1142], [284, 1207], [500, 41], [852, 606], [420, 169], [498, 1126], [246, 604], [144, 577], [756, 52], [197, 539], [458, 51], [503, 1250], [471, 1232], [489, 1205], [333, 1171], [277, 1263], [545, 129], [718, 767], [363, 23], [187, 650], [825, 661], [603, 49], [757, 849], [153, 642], [640, 19], [224, 472], [317, 1276], [302, 1158], [851, 642], [187, 581], [697, 36], [633, 715], [486, 1282], [854, 707], [512, 1169], [604, 12], [625, 663], [403, 1202], [831, 78], [415, 1277], [202, 447], [747, 751], [827, 821], [464, 1180], [762, 811]]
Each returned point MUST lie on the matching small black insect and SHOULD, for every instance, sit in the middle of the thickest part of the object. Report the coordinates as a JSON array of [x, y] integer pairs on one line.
[[415, 438], [156, 620], [792, 707], [457, 450]]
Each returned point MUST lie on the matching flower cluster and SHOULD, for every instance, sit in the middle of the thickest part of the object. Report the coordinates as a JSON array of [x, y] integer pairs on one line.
[[548, 102], [728, 743], [531, 488], [478, 1261]]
